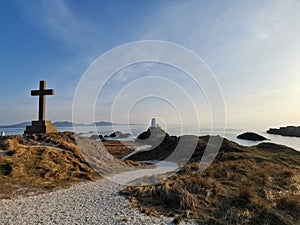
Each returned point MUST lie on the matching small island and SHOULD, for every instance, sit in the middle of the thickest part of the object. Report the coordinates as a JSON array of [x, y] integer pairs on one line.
[[251, 137], [290, 131]]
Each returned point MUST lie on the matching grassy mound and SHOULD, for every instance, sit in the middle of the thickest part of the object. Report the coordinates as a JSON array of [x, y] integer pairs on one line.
[[39, 163], [244, 185], [31, 164]]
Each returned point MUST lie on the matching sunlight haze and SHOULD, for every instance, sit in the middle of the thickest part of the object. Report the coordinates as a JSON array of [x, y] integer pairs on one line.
[[251, 47]]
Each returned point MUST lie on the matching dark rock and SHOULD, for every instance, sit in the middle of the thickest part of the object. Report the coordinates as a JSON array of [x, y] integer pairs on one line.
[[181, 144], [290, 131], [153, 136], [5, 169], [102, 138], [114, 134], [251, 136], [119, 134], [97, 137], [146, 134]]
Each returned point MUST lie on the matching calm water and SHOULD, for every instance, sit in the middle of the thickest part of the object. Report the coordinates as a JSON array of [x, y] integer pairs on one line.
[[134, 130]]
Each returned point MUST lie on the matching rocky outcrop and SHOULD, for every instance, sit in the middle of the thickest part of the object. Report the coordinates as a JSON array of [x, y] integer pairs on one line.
[[290, 131], [251, 137], [153, 136], [181, 144], [119, 134], [97, 137], [236, 179]]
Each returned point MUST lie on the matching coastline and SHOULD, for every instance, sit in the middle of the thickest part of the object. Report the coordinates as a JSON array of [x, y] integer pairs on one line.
[[230, 134], [257, 162]]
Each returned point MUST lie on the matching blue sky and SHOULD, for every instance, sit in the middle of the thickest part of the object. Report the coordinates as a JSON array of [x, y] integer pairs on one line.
[[252, 47]]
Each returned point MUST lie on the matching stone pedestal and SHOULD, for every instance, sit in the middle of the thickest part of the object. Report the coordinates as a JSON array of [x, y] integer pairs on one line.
[[41, 127]]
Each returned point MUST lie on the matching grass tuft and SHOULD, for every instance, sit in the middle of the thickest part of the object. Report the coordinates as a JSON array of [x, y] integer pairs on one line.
[[244, 185]]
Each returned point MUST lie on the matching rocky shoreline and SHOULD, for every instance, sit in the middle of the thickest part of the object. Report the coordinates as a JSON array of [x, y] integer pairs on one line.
[[289, 131], [55, 161]]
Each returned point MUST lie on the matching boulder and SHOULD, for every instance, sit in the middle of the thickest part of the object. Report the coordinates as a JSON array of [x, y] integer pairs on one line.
[[97, 137], [153, 136], [251, 136], [102, 138], [119, 134]]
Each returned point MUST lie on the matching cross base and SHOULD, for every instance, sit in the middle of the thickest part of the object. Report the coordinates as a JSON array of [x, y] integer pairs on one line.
[[44, 127]]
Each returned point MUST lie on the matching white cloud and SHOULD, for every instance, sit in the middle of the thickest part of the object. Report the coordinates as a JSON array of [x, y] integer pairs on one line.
[[267, 94]]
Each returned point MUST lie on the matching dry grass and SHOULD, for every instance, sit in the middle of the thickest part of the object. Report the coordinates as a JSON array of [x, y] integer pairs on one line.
[[118, 149], [290, 204], [244, 185], [29, 169], [44, 162]]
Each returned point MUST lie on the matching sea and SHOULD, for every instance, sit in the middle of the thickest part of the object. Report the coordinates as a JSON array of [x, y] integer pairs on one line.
[[177, 130]]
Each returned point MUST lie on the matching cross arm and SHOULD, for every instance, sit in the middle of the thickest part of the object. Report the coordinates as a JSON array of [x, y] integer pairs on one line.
[[42, 92]]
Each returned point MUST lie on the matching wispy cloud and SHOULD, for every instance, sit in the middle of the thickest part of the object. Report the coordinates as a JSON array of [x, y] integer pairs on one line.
[[250, 45], [266, 94], [58, 20], [226, 34]]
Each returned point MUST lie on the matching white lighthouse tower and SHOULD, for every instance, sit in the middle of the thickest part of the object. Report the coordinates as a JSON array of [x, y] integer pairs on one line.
[[153, 122]]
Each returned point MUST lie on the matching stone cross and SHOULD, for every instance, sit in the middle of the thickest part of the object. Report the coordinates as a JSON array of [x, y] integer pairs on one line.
[[42, 125], [42, 92]]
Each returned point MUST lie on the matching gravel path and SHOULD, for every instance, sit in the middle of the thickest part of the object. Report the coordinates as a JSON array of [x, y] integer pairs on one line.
[[90, 203]]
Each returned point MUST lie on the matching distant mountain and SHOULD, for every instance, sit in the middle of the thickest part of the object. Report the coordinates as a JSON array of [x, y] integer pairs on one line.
[[19, 125], [24, 124], [70, 124], [62, 124], [104, 123]]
